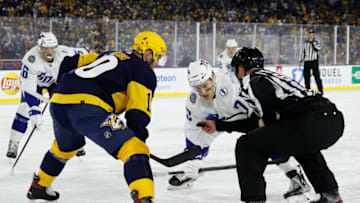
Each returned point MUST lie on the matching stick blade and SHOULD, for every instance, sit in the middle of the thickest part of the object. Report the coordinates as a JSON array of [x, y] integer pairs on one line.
[[188, 154]]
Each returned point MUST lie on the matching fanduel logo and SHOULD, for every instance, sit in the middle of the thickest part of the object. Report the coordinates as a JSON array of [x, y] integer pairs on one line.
[[355, 74]]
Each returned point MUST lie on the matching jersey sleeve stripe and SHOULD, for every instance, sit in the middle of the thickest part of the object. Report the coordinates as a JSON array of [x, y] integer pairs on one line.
[[140, 97], [120, 100], [85, 59]]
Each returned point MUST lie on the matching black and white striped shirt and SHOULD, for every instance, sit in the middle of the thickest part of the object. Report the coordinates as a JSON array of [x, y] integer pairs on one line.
[[310, 51], [268, 93]]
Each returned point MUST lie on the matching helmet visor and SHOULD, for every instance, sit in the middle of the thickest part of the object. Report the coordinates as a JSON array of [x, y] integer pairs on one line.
[[162, 60]]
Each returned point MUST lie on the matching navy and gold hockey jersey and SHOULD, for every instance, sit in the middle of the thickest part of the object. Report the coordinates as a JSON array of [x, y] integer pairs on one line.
[[115, 81]]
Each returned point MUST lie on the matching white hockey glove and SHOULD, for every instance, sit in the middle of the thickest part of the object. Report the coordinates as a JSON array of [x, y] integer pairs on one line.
[[191, 168], [36, 118]]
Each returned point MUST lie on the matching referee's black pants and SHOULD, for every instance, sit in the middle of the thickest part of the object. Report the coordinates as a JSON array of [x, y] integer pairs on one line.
[[314, 67], [301, 135]]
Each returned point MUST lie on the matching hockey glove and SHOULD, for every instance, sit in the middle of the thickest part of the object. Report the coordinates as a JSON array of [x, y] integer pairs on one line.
[[191, 168], [36, 118]]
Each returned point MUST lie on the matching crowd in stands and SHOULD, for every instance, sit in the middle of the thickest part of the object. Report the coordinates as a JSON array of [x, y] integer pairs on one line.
[[92, 24], [260, 11]]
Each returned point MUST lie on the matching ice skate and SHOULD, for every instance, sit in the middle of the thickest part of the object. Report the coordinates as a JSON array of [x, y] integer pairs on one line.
[[81, 152], [329, 197], [299, 189], [134, 196], [37, 193], [12, 150], [180, 181]]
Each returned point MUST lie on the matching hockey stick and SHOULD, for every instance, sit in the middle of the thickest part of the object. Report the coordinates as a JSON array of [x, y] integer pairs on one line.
[[188, 154], [33, 93], [215, 168], [26, 142], [201, 170]]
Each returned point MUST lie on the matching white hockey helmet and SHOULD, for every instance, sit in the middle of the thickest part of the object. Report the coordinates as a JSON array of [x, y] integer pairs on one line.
[[47, 39], [199, 72], [231, 43]]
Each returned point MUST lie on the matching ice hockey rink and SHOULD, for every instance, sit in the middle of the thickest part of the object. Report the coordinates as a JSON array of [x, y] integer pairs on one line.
[[98, 178]]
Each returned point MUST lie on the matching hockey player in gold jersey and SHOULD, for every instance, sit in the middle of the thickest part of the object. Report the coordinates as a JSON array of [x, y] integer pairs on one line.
[[87, 102]]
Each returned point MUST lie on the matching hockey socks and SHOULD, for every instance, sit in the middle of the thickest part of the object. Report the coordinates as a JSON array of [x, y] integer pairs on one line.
[[138, 175]]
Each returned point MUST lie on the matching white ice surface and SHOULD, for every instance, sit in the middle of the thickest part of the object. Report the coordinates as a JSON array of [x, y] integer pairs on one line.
[[98, 178]]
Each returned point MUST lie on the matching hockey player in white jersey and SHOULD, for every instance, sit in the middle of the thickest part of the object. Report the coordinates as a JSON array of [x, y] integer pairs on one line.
[[39, 70], [224, 59], [210, 97], [215, 97]]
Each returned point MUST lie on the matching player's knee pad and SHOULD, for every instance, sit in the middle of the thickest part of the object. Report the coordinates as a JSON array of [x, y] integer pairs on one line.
[[138, 175], [132, 147], [58, 153]]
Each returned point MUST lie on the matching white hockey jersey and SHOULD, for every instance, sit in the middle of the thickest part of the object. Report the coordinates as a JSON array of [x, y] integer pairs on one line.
[[227, 105], [224, 63], [35, 71]]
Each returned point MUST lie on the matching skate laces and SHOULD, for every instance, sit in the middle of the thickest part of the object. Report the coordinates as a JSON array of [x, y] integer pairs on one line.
[[299, 182], [301, 178]]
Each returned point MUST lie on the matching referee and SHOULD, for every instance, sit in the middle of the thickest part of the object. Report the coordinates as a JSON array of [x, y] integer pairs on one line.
[[310, 57]]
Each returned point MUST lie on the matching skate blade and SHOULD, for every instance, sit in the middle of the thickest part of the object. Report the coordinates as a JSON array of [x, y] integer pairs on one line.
[[185, 186], [41, 201], [302, 198]]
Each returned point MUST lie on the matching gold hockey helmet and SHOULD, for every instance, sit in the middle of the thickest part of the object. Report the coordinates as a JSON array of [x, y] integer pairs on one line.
[[150, 40]]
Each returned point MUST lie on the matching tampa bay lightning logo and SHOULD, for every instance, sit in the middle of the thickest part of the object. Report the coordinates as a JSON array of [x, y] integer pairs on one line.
[[193, 98], [298, 74], [224, 91]]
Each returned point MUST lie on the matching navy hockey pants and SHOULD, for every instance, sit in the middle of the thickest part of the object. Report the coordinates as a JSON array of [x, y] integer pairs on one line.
[[72, 122]]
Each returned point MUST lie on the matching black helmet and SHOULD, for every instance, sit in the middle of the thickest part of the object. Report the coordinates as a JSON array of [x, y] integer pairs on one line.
[[247, 58]]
